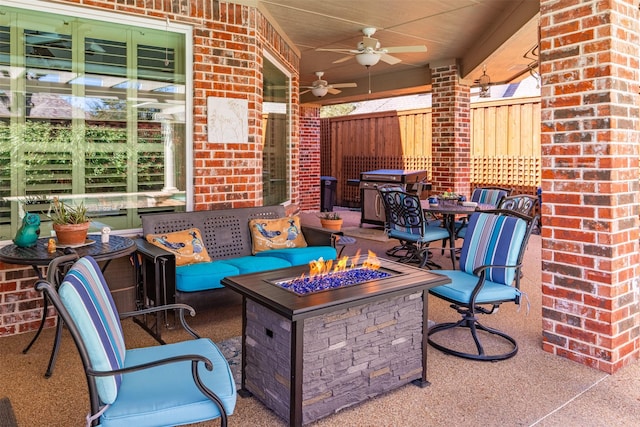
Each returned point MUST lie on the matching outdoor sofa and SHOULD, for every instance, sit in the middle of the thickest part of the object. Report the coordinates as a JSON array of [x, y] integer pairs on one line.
[[230, 246]]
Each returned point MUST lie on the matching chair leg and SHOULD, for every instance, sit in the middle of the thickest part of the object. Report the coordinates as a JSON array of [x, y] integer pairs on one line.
[[426, 262], [444, 245], [471, 322], [399, 251], [405, 252]]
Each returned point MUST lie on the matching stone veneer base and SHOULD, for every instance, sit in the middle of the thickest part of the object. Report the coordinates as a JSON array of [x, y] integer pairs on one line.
[[349, 355]]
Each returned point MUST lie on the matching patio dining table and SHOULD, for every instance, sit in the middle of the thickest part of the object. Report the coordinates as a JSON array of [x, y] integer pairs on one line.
[[448, 213]]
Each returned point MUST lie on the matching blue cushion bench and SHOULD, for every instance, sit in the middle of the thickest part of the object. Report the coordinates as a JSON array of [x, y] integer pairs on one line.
[[227, 238]]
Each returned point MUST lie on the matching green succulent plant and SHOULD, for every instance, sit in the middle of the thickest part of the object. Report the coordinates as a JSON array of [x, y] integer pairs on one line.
[[330, 215], [63, 213]]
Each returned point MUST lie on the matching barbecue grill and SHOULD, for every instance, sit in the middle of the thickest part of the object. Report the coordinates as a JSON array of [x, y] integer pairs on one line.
[[372, 210]]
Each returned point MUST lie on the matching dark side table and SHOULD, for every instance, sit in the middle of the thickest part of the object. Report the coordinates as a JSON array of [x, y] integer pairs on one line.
[[38, 256]]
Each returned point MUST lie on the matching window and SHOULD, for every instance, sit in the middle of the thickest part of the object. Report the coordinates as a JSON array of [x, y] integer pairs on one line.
[[92, 112], [276, 131]]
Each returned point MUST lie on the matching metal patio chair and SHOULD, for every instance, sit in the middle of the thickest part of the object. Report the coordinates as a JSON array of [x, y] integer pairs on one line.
[[173, 384], [405, 220], [488, 276]]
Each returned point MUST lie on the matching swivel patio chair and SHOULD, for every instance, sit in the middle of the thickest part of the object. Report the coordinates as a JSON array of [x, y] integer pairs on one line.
[[482, 195], [405, 220], [173, 384], [488, 276]]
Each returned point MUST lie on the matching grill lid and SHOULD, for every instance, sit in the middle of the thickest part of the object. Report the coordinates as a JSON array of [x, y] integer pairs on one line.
[[393, 175]]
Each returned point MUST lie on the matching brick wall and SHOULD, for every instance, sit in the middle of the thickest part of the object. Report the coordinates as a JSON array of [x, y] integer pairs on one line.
[[229, 42], [451, 136], [20, 304], [309, 177], [590, 134]]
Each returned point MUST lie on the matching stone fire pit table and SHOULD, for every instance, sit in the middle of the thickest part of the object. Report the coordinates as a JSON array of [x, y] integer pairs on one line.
[[308, 356]]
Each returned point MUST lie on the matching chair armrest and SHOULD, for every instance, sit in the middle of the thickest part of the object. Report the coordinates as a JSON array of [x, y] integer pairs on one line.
[[316, 236], [180, 308], [481, 273], [482, 268], [194, 358]]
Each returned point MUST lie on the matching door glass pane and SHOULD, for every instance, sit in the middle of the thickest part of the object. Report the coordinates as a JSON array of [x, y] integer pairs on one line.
[[275, 130]]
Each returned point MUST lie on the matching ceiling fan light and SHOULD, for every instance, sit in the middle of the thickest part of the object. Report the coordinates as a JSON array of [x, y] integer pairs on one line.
[[367, 59], [319, 91]]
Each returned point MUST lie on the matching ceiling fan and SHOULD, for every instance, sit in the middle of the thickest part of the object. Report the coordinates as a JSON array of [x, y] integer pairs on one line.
[[321, 87], [369, 51]]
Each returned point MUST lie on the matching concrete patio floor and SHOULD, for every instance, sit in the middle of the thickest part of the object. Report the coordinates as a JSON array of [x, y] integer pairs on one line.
[[534, 388]]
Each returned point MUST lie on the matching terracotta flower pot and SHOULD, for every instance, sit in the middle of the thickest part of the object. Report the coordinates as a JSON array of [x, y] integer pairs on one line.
[[331, 224], [71, 234]]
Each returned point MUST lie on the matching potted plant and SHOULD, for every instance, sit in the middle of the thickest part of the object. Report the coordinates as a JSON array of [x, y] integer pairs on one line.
[[331, 220], [70, 223]]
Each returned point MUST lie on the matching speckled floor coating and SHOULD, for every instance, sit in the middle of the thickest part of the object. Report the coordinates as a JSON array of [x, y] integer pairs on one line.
[[534, 388]]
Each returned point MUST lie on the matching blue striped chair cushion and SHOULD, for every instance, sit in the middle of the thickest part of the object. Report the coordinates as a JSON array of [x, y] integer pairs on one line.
[[86, 297], [487, 196], [493, 239]]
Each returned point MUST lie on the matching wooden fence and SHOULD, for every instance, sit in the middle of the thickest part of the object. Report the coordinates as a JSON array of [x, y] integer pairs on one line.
[[505, 145]]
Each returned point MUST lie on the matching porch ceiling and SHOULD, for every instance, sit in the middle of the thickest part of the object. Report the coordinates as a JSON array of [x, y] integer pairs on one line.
[[497, 33]]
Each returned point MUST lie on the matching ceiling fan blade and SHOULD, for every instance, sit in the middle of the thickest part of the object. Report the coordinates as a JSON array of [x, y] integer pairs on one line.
[[305, 91], [370, 42], [333, 91], [344, 85], [391, 60], [406, 49], [341, 60], [320, 49]]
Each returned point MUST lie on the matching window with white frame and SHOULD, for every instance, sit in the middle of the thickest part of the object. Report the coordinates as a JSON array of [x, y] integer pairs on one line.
[[92, 112]]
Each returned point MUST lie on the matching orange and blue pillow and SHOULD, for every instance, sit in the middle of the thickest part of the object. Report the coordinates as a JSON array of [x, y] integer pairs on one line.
[[280, 233], [187, 245]]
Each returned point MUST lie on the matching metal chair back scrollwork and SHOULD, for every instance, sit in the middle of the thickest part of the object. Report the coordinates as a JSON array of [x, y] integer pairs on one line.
[[405, 221], [522, 203]]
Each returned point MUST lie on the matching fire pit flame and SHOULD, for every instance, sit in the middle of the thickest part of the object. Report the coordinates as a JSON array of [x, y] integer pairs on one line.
[[325, 275], [320, 266]]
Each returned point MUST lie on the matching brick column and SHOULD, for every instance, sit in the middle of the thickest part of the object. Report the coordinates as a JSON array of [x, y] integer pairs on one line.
[[590, 135], [451, 143], [309, 173]]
